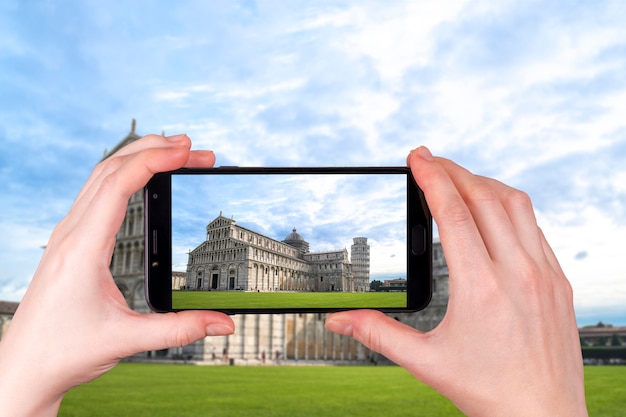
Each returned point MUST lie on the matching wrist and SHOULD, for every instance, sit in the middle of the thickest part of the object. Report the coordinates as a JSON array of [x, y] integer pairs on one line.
[[23, 392]]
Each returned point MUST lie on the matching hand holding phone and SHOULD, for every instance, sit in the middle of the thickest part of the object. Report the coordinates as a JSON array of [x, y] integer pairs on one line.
[[508, 344], [78, 332]]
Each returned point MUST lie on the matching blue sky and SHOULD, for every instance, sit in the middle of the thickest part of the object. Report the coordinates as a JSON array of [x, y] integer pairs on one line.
[[328, 211], [532, 93]]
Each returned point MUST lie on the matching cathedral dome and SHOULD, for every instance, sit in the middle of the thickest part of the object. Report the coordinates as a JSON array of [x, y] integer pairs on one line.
[[293, 237], [297, 241]]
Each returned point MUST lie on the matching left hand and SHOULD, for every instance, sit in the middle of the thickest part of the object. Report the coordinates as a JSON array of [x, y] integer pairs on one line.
[[73, 324]]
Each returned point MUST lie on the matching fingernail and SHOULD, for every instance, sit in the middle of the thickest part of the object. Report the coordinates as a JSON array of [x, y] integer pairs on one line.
[[339, 326], [218, 329], [424, 153], [175, 138]]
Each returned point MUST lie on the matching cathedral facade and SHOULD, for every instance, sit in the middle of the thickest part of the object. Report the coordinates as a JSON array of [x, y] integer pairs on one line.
[[265, 338], [127, 263], [236, 258]]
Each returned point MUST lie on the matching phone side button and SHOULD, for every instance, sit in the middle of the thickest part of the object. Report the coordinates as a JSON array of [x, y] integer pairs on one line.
[[418, 240]]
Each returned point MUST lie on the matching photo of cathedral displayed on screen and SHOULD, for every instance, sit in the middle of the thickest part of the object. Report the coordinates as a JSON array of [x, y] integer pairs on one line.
[[236, 258]]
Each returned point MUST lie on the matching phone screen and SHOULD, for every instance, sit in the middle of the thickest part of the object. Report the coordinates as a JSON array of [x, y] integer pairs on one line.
[[282, 241]]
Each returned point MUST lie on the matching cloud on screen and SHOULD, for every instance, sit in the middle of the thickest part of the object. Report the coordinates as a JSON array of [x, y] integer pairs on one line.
[[328, 211]]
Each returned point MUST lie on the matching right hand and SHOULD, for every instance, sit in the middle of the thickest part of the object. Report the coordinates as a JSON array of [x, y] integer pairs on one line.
[[508, 344]]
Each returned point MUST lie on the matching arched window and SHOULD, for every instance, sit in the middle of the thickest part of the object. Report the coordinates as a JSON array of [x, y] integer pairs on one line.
[[136, 263], [127, 258], [130, 223], [119, 259], [139, 223]]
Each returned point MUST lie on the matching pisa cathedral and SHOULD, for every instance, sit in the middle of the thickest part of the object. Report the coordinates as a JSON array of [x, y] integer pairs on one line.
[[291, 338], [236, 258]]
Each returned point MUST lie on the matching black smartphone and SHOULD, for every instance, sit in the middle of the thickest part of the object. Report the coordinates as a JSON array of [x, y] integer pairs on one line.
[[276, 240]]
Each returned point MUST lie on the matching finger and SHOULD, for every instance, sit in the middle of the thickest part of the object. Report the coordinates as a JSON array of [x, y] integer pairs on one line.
[[162, 331], [551, 257], [200, 159], [522, 216], [147, 142], [384, 335], [100, 212], [460, 237], [487, 210], [150, 141]]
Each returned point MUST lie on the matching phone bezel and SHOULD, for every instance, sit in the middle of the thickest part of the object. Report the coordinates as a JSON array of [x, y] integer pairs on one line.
[[158, 236]]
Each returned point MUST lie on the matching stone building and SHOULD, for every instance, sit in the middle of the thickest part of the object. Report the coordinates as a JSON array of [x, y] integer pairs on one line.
[[127, 264], [394, 283], [275, 337], [179, 280], [360, 257], [236, 258], [603, 335], [7, 310]]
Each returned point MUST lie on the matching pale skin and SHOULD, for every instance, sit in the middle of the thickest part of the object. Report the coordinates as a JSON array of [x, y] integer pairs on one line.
[[507, 346], [73, 324]]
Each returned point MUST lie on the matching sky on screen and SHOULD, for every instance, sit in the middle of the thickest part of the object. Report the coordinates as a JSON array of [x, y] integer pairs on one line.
[[532, 93], [327, 211]]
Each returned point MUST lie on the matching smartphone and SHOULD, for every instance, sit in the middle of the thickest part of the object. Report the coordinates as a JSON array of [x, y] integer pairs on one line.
[[277, 240]]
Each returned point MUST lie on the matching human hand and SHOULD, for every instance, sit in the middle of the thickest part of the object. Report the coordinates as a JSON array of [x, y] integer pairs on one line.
[[508, 344], [73, 324]]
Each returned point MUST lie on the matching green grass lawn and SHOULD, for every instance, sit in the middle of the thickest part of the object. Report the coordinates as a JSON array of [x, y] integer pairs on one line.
[[184, 391], [249, 299], [606, 390]]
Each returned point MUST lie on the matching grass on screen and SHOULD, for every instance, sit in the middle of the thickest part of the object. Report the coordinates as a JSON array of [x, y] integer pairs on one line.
[[187, 391], [250, 299]]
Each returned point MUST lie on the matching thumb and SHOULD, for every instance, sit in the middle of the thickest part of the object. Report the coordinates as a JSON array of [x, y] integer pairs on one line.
[[398, 342], [162, 331]]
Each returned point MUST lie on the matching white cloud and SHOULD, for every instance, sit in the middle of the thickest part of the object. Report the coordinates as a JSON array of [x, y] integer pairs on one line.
[[12, 292], [365, 111], [531, 93], [398, 38], [171, 95], [231, 92], [598, 279], [325, 18], [21, 248], [572, 54], [618, 181]]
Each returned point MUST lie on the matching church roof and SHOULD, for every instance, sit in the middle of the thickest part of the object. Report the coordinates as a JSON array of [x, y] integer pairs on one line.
[[8, 307], [293, 237]]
